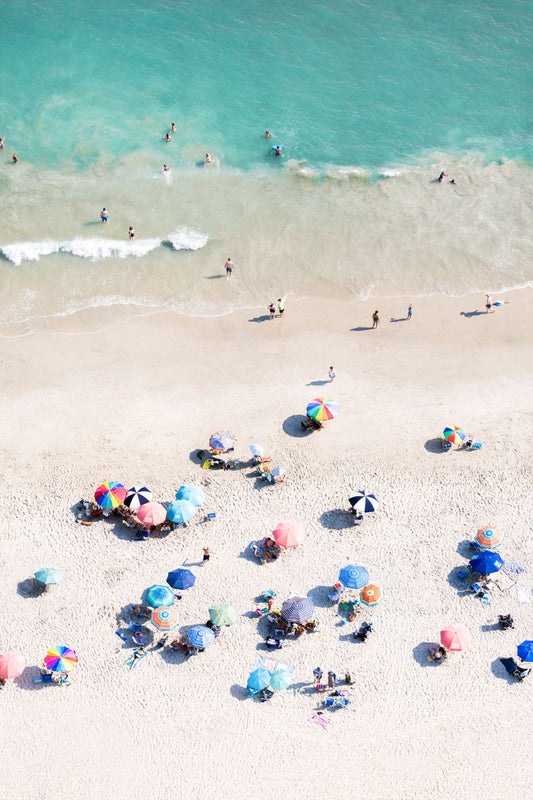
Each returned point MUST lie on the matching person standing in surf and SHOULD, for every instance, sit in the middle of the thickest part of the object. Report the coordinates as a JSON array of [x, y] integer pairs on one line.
[[229, 268], [104, 215], [131, 234]]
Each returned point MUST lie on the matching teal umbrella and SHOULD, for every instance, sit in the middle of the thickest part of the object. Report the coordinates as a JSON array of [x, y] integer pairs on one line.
[[259, 679], [157, 596], [48, 575], [280, 679], [181, 511], [194, 494]]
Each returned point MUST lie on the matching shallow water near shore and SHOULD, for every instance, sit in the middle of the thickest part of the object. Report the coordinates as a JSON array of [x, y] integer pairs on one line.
[[371, 103]]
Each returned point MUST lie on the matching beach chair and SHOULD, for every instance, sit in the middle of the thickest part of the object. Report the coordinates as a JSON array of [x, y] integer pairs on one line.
[[268, 594], [476, 588], [445, 444]]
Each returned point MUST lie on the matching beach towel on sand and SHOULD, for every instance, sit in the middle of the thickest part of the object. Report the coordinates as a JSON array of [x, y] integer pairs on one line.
[[522, 593]]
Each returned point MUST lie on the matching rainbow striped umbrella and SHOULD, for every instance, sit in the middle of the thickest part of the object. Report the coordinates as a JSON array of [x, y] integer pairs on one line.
[[454, 434], [322, 409], [110, 494], [165, 617], [60, 659], [489, 537], [371, 595]]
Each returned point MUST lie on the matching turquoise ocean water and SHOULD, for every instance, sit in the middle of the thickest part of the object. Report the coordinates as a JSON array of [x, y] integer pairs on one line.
[[371, 100]]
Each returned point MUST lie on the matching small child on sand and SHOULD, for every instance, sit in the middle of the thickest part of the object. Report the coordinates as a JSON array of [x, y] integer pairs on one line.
[[331, 374]]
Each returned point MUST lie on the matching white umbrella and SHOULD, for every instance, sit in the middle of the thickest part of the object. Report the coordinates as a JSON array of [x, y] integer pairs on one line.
[[256, 450]]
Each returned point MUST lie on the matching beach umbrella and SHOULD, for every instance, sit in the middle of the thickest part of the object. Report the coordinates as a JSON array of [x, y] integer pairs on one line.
[[259, 679], [165, 618], [371, 595], [322, 409], [455, 637], [361, 501], [489, 537], [257, 450], [200, 636], [278, 472], [110, 494], [152, 514], [454, 434], [280, 680], [220, 441], [181, 511], [222, 615], [137, 497], [194, 494], [288, 534], [157, 596], [181, 578], [297, 609], [525, 650], [353, 577], [48, 575], [11, 665], [486, 562], [60, 659]]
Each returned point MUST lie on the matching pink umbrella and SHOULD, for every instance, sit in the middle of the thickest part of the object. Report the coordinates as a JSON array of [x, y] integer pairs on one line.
[[152, 514], [11, 665], [288, 534], [455, 637]]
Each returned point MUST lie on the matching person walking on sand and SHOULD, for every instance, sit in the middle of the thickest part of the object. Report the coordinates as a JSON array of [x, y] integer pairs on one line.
[[281, 306], [207, 555], [488, 302], [410, 313], [104, 216], [331, 374], [272, 310], [229, 267], [131, 234], [375, 319]]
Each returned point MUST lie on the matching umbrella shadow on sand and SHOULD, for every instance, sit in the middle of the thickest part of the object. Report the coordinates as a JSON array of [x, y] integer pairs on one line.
[[25, 679], [420, 654], [499, 671], [336, 519], [30, 588], [456, 582], [239, 692], [435, 445], [292, 426], [319, 596]]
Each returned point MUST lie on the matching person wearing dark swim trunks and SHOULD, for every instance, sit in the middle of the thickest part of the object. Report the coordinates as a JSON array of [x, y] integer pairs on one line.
[[207, 555], [131, 234]]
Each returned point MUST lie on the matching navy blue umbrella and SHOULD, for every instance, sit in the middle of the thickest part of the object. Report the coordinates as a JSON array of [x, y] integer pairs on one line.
[[181, 579], [486, 562]]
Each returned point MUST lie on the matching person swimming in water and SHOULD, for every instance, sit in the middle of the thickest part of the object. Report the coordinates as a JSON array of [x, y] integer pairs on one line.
[[208, 159], [15, 159], [104, 215], [268, 135], [167, 137], [277, 150], [2, 142], [165, 168], [173, 128], [442, 176]]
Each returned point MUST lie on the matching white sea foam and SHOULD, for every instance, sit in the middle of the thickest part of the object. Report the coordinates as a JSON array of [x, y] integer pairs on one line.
[[97, 249], [28, 251], [187, 239]]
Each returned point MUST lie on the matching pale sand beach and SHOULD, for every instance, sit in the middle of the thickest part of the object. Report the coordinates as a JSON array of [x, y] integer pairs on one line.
[[132, 403]]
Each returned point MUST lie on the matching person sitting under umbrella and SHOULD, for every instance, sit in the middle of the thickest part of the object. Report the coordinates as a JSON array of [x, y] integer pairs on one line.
[[437, 653], [311, 424], [358, 517]]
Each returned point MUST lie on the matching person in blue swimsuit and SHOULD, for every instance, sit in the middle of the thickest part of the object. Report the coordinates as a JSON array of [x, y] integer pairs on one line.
[[104, 215]]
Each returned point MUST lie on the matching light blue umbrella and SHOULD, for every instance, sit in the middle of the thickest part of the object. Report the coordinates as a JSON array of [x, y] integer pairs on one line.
[[181, 511], [48, 575], [200, 636], [525, 650], [259, 679], [157, 596], [280, 679], [222, 615], [191, 492], [353, 577]]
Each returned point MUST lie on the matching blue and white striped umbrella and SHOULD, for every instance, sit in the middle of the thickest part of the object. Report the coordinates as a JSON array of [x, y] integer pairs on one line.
[[363, 502], [353, 577], [297, 609], [137, 497], [191, 492], [200, 636]]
